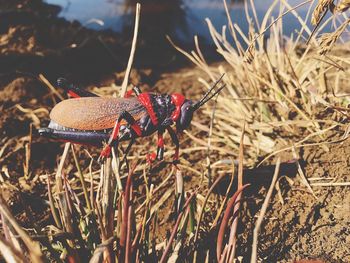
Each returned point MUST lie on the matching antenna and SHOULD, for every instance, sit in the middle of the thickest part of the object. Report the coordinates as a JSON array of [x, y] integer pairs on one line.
[[209, 95]]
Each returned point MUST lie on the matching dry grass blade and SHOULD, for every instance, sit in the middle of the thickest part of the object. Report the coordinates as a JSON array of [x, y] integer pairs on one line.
[[232, 239], [219, 211], [132, 52], [128, 256], [50, 86], [33, 247], [179, 189], [302, 175], [204, 204], [126, 225], [262, 213], [54, 211], [173, 233], [227, 214], [82, 180], [209, 138], [331, 184], [9, 253], [28, 147], [60, 168]]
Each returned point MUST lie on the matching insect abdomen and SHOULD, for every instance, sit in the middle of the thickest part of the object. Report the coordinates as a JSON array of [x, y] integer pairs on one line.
[[94, 113]]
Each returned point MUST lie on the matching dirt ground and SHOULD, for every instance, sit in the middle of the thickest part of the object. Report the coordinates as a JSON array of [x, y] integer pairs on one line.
[[306, 225], [299, 224]]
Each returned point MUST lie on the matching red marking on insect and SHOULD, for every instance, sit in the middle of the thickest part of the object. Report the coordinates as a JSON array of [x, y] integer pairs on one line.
[[137, 129], [146, 101], [106, 151], [115, 131], [73, 94], [151, 157], [128, 93], [176, 155], [160, 140], [178, 100]]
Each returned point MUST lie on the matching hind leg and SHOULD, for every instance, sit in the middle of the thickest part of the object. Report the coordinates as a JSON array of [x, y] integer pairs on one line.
[[114, 138], [72, 90]]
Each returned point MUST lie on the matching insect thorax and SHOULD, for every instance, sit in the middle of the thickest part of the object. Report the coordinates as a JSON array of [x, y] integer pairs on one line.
[[163, 106]]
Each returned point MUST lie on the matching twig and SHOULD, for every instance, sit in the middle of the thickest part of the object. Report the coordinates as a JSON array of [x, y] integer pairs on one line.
[[34, 247], [204, 204], [82, 180], [167, 249], [263, 211], [301, 173], [126, 207], [331, 184], [209, 137], [54, 211], [49, 85], [233, 231], [225, 220], [128, 235], [132, 52], [60, 168]]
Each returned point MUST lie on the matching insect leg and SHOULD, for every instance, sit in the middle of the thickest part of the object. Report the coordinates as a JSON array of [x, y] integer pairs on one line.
[[176, 142], [135, 90], [115, 133], [72, 90], [160, 145], [160, 149], [126, 152]]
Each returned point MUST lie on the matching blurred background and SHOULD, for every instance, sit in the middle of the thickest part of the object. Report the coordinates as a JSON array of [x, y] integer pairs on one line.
[[87, 39], [180, 19]]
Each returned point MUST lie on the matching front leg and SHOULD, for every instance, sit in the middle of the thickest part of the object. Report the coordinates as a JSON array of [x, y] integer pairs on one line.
[[114, 138], [160, 149], [160, 145]]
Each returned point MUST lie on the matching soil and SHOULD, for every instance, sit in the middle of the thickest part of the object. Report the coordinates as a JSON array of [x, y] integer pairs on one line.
[[306, 225], [298, 225]]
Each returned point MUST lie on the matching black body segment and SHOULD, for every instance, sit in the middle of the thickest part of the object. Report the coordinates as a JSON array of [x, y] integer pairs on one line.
[[163, 108], [81, 137]]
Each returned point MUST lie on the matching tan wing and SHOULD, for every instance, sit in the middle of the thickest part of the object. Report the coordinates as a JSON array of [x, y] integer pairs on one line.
[[95, 113]]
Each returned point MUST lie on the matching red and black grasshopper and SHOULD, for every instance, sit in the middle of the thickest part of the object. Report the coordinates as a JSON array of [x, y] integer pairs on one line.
[[89, 119]]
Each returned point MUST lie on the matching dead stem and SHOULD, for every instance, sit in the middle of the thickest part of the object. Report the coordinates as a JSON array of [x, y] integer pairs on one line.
[[262, 213]]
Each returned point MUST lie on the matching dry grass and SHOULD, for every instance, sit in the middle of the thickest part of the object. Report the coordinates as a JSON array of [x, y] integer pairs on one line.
[[275, 91], [108, 225], [328, 40], [342, 6], [321, 8], [276, 86]]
